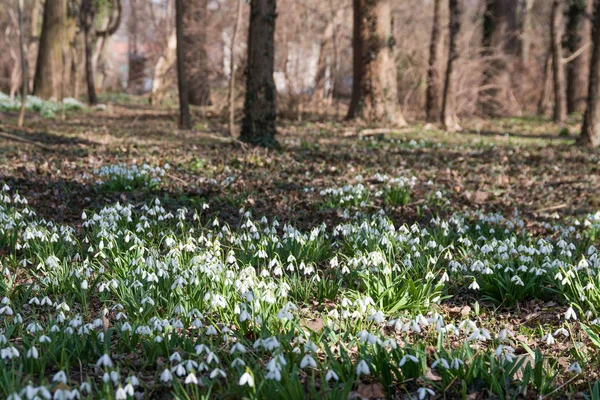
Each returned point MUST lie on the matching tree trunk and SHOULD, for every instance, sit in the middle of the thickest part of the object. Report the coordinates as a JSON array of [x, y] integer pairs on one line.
[[88, 13], [258, 125], [49, 65], [449, 118], [542, 107], [23, 65], [185, 121], [375, 84], [196, 60], [577, 35], [590, 131], [558, 71], [233, 68], [164, 64], [499, 44], [525, 7], [432, 99]]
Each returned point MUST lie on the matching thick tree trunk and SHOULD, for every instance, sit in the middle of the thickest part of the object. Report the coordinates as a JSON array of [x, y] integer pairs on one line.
[[500, 35], [87, 25], [558, 71], [449, 118], [185, 121], [258, 125], [375, 84], [577, 35], [590, 131], [432, 99], [196, 59], [49, 65]]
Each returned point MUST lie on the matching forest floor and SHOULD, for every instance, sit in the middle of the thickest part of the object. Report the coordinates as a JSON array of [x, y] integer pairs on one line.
[[333, 173]]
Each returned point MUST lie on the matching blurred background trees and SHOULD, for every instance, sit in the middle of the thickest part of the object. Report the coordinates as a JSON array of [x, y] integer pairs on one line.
[[381, 62]]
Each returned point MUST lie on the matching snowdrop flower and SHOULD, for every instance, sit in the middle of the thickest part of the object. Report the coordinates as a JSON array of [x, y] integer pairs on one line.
[[406, 358], [60, 376], [104, 361], [548, 339], [120, 394], [575, 367], [331, 375], [191, 379], [246, 379], [32, 353], [423, 392], [362, 368], [473, 286], [570, 314], [308, 361], [561, 331], [166, 376]]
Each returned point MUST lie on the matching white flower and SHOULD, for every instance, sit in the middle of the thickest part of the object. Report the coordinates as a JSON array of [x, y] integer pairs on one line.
[[191, 378], [423, 392], [473, 286], [33, 353], [60, 377], [121, 394], [362, 368], [406, 358], [308, 361], [331, 375], [570, 314], [104, 361], [246, 379], [575, 367], [166, 376]]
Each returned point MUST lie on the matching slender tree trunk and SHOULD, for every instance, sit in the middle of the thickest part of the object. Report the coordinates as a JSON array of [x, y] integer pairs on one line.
[[375, 84], [233, 68], [48, 73], [525, 8], [499, 41], [34, 42], [542, 107], [258, 125], [449, 118], [577, 35], [23, 65], [432, 99], [196, 59], [185, 121], [590, 131], [558, 71]]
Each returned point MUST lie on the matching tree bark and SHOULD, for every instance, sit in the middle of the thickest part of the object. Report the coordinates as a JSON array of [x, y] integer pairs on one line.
[[432, 99], [500, 35], [375, 85], [590, 131], [449, 118], [196, 59], [542, 107], [48, 72], [185, 121], [164, 64], [258, 125], [525, 8], [558, 71], [577, 34], [23, 65], [88, 14], [233, 68]]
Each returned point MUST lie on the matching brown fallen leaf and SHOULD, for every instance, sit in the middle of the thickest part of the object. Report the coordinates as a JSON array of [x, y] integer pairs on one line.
[[371, 390]]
